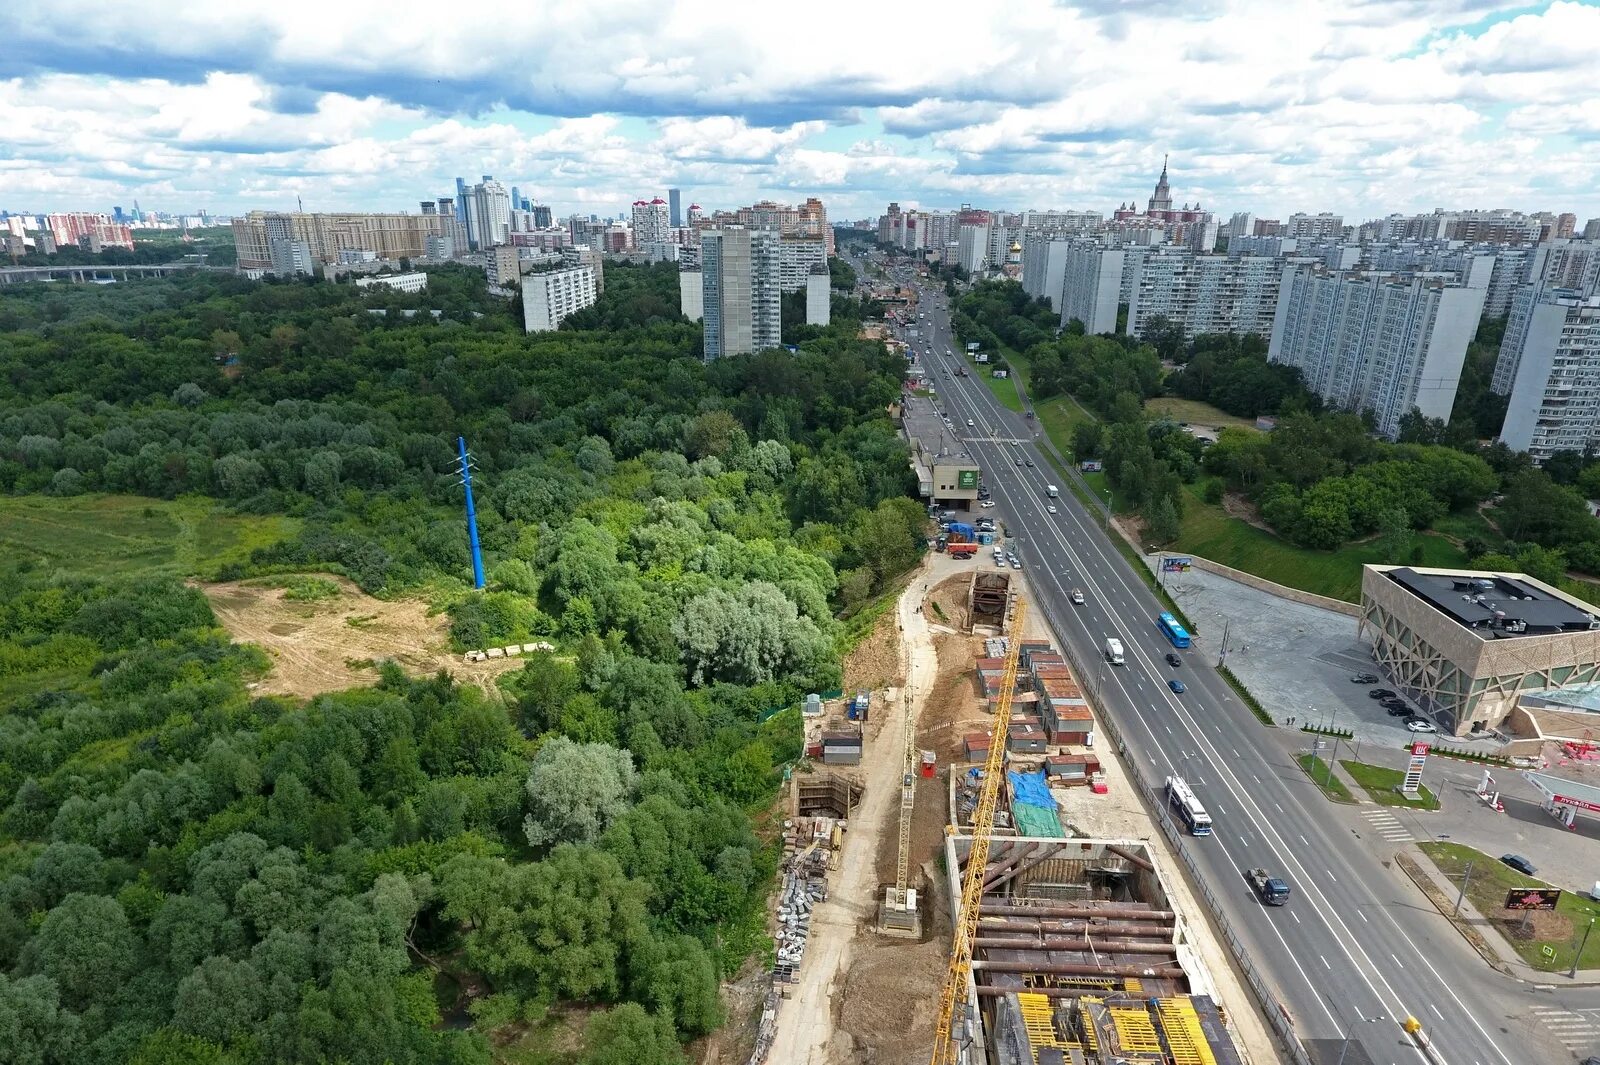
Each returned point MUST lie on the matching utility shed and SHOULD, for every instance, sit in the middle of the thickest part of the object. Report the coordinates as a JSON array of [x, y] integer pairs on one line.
[[841, 747]]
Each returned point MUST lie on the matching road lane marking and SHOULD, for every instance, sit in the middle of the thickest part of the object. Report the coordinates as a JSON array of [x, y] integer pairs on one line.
[[1296, 916], [1325, 964]]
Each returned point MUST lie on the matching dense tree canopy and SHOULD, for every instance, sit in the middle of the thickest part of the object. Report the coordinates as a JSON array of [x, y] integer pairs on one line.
[[193, 873]]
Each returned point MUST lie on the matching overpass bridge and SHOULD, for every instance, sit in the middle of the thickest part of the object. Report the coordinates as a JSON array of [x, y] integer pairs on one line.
[[15, 275]]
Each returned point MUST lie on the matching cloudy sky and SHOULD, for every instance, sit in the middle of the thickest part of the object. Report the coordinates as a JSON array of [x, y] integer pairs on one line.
[[1356, 106]]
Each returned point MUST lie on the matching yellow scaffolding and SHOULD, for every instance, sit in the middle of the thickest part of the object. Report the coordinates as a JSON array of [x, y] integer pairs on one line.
[[1186, 1040], [1135, 1031]]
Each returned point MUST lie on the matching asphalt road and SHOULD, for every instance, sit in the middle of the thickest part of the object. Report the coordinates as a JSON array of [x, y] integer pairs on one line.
[[1357, 949]]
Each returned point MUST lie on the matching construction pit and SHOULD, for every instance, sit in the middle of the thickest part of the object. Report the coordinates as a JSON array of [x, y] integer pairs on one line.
[[861, 995], [1081, 959]]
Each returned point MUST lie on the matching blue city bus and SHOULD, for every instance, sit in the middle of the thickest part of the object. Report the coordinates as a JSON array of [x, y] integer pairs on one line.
[[1177, 634]]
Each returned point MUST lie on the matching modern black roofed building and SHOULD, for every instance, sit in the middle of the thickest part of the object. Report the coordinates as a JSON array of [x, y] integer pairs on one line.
[[1465, 644]]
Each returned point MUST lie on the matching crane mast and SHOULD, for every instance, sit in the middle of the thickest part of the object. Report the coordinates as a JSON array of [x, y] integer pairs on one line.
[[953, 996], [908, 799]]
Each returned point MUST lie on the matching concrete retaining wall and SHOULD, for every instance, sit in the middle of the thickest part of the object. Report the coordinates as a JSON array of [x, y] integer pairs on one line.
[[1273, 588]]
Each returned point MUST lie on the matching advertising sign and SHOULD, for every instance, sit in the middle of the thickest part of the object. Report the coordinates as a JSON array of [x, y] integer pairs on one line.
[[972, 345], [1176, 563], [1418, 759], [1090, 466], [981, 356], [967, 479], [1532, 898]]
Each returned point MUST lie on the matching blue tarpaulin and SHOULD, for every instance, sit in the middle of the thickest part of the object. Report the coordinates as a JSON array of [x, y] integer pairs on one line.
[[1030, 789]]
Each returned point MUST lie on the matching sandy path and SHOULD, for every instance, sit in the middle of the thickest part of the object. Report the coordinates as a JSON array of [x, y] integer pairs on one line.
[[805, 1034]]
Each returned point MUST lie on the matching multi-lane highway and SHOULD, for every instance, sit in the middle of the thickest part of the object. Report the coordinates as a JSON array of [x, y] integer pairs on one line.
[[1357, 949]]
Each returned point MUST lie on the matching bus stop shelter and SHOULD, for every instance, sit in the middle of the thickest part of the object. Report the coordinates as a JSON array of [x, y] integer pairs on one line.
[[1563, 798]]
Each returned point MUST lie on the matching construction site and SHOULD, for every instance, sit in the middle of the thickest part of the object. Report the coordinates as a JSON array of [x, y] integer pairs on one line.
[[952, 898]]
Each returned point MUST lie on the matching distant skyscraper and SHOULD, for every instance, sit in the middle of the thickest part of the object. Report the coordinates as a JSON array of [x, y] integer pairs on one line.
[[541, 216], [461, 200], [1161, 198], [674, 201], [740, 293]]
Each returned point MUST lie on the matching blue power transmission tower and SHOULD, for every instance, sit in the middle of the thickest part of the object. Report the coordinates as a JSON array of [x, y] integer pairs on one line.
[[472, 513]]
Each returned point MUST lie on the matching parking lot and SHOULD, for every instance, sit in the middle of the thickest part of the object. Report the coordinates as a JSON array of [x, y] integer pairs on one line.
[[1296, 659]]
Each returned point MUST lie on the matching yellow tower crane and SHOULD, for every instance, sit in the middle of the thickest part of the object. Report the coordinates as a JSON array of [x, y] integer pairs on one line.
[[946, 1050]]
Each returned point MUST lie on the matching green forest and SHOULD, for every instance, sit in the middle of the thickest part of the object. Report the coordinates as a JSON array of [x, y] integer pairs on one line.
[[1321, 479], [558, 870]]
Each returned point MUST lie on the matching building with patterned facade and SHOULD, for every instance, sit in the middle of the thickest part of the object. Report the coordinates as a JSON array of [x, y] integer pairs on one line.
[[389, 236]]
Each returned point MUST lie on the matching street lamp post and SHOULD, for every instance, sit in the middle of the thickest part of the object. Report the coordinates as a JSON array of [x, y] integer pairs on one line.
[[1572, 973], [1108, 510]]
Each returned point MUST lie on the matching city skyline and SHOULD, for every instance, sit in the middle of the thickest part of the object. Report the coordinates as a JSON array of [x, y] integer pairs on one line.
[[1404, 106]]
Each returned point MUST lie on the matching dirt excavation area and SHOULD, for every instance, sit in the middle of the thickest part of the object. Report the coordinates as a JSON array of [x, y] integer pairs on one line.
[[863, 997], [337, 639]]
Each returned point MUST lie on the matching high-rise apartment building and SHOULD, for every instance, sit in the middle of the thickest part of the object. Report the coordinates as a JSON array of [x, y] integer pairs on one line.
[[541, 217], [1591, 229], [1571, 268], [87, 227], [1372, 342], [652, 223], [798, 257], [1091, 286], [1204, 293], [741, 295], [1044, 265], [674, 207], [1323, 226], [1555, 394], [388, 236], [549, 297], [488, 214]]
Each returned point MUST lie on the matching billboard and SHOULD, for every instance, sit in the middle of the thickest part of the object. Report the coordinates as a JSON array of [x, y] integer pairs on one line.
[[1176, 563], [1090, 466], [1532, 898], [972, 345], [967, 479], [981, 356]]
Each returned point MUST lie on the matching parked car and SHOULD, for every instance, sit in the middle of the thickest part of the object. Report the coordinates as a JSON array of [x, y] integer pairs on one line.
[[1176, 686], [1420, 724], [1389, 703], [1016, 563], [1173, 659], [1365, 678], [1381, 693], [986, 503], [1519, 863], [1398, 711], [1077, 597]]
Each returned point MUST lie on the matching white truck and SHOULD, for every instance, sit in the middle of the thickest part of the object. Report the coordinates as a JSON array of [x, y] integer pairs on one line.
[[1051, 491], [1113, 650]]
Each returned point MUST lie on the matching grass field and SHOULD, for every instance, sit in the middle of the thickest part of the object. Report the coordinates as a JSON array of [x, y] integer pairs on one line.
[[104, 536], [1560, 931], [1196, 412], [1317, 770], [1211, 533], [1380, 783]]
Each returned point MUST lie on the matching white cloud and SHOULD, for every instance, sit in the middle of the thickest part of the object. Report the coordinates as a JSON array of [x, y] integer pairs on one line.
[[1359, 106]]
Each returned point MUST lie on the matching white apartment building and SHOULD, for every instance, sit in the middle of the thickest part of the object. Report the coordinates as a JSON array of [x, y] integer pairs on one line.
[[1323, 226], [1044, 266], [1567, 268], [741, 295], [974, 248], [1555, 396], [488, 214], [819, 296], [1091, 286], [412, 282], [549, 297], [1383, 343], [652, 223], [1204, 293], [797, 256]]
